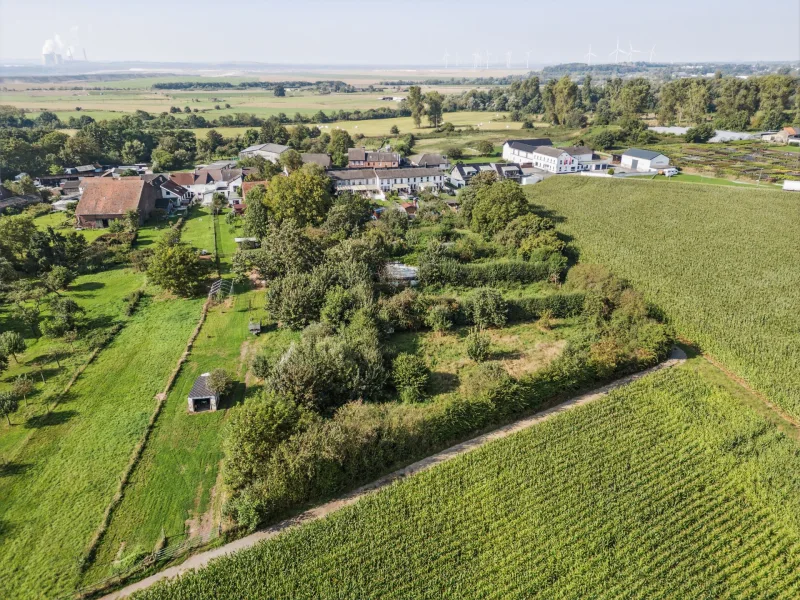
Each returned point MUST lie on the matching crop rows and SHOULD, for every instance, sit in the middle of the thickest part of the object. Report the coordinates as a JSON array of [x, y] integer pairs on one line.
[[724, 264], [668, 488]]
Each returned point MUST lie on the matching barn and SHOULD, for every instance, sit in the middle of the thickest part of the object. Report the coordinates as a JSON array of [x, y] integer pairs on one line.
[[643, 160]]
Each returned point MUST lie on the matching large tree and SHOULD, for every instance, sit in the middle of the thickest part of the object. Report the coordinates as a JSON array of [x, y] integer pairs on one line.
[[415, 104], [176, 268], [435, 102], [338, 146], [256, 217], [496, 205], [304, 196]]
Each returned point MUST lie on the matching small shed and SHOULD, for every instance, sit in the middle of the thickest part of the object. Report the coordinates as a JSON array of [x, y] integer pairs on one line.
[[254, 327], [201, 398]]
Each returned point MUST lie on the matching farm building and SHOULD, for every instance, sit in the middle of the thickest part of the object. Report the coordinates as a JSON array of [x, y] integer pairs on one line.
[[643, 160], [201, 398], [323, 160], [791, 186], [272, 152], [787, 135], [104, 200], [431, 160], [521, 151]]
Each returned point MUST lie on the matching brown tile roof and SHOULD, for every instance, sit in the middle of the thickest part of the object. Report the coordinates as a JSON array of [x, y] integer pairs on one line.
[[103, 196], [183, 179], [249, 185]]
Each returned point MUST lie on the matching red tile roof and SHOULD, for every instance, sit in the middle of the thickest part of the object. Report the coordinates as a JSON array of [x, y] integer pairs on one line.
[[249, 185], [103, 196], [183, 179]]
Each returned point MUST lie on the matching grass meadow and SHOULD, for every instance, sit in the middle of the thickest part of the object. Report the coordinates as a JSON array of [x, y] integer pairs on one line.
[[59, 481], [670, 487], [723, 263]]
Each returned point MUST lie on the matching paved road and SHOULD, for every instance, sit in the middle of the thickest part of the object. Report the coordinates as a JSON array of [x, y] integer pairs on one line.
[[318, 512]]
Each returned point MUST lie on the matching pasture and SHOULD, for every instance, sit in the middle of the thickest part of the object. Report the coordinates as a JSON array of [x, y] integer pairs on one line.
[[670, 487], [722, 263]]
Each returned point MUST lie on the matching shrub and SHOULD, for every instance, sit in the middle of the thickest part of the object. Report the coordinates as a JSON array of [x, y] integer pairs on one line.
[[403, 311], [410, 375], [261, 366], [219, 382], [478, 343], [296, 300], [487, 308], [699, 134], [439, 317]]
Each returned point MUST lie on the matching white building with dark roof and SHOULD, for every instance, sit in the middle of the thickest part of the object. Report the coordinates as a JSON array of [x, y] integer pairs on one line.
[[643, 161], [379, 182], [462, 174], [272, 152]]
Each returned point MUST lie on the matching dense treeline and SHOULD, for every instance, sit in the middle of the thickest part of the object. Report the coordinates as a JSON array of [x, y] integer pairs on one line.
[[323, 86]]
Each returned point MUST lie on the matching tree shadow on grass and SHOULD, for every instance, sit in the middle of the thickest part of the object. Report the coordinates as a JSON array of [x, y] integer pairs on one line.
[[87, 286], [505, 355], [10, 469], [443, 383], [235, 397], [50, 419]]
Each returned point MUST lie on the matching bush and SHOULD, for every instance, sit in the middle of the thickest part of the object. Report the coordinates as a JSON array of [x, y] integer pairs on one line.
[[411, 376], [699, 134], [261, 366], [403, 312], [484, 147], [487, 308], [440, 317], [219, 382], [297, 299], [478, 343], [454, 153]]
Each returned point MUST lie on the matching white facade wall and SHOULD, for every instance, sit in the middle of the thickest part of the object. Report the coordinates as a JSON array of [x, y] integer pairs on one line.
[[644, 165]]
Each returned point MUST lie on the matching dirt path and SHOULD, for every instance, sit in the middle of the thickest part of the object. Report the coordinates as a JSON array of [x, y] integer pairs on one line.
[[318, 512]]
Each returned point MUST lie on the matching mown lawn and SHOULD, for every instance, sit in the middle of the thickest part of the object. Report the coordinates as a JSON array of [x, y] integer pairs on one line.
[[57, 221], [173, 488], [668, 488], [723, 263], [54, 492]]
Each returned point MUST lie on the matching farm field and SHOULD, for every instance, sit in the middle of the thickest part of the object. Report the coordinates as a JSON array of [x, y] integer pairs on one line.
[[721, 262], [60, 481], [671, 487]]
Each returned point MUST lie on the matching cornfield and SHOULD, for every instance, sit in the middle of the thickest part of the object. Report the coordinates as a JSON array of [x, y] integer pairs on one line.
[[667, 488], [723, 263]]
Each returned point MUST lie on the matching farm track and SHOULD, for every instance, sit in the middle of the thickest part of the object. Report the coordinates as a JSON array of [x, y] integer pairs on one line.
[[200, 560]]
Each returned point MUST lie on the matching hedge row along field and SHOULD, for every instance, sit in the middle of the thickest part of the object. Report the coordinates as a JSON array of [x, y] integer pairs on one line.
[[723, 263], [667, 488]]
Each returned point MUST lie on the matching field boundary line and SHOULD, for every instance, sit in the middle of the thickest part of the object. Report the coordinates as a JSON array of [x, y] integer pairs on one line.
[[138, 450], [201, 559]]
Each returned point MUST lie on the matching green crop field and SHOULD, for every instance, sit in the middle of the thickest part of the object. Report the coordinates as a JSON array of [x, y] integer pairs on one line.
[[723, 263], [671, 487]]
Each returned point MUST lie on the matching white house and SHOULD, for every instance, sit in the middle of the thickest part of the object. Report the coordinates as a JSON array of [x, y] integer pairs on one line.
[[521, 151], [462, 174], [564, 160], [643, 161], [272, 152], [378, 182]]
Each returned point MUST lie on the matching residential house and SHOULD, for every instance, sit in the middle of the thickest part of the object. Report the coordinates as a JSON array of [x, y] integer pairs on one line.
[[104, 200], [521, 151], [430, 160], [461, 174], [272, 152], [562, 160], [323, 160], [361, 158], [176, 195], [643, 161], [787, 135], [377, 182], [207, 182]]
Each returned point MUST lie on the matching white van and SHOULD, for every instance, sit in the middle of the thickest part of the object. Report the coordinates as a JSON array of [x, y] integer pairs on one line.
[[670, 171]]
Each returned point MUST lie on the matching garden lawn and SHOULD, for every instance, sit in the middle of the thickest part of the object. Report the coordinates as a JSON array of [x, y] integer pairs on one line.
[[722, 263], [54, 497], [668, 488], [101, 296], [172, 490], [56, 221]]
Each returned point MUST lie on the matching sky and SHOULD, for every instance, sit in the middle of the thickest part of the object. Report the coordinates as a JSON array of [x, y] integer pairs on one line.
[[378, 32]]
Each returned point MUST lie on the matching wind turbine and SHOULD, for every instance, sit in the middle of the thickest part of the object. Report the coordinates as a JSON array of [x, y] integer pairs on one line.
[[616, 52], [528, 60], [446, 56], [476, 60], [630, 54], [508, 60], [588, 56], [652, 52]]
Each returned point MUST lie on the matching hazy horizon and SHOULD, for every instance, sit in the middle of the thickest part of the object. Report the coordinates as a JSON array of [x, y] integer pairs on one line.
[[380, 34]]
